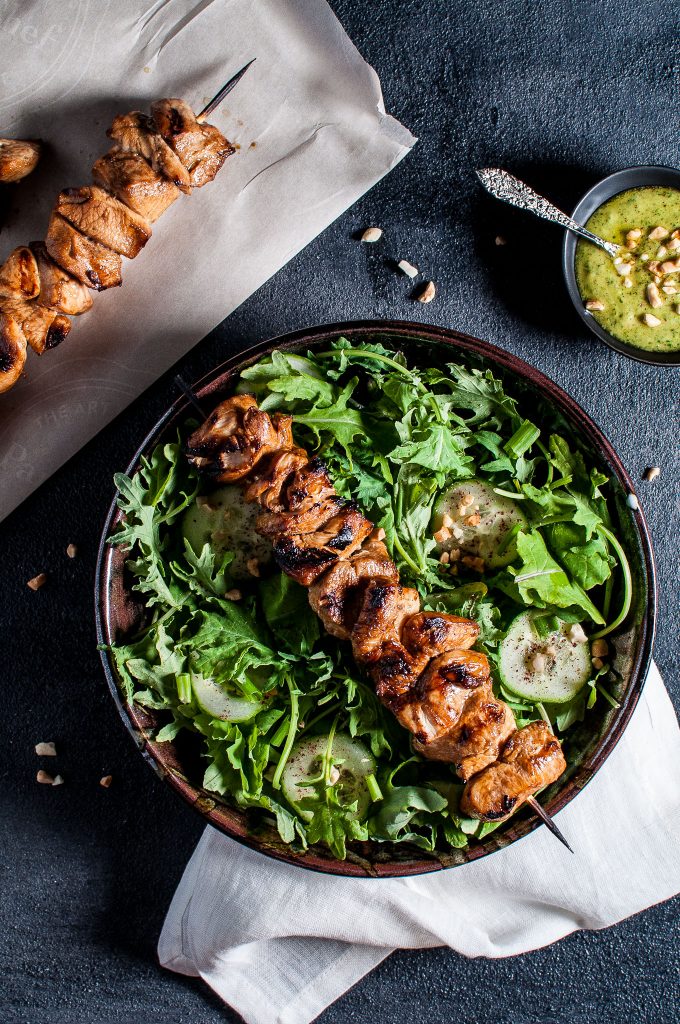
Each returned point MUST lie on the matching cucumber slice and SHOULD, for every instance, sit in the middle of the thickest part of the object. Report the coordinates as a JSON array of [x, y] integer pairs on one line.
[[564, 664], [218, 702], [491, 539], [352, 762], [226, 521]]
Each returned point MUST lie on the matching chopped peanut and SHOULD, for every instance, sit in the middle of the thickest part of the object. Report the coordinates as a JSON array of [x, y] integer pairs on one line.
[[253, 566], [378, 534], [538, 662], [653, 297], [595, 305], [652, 472], [106, 781], [474, 563], [441, 535], [597, 663], [46, 749], [473, 520], [447, 521], [576, 634], [670, 267], [71, 550], [454, 554], [45, 778], [650, 320], [233, 595], [656, 234], [599, 648], [38, 581], [633, 237], [457, 533], [444, 558]]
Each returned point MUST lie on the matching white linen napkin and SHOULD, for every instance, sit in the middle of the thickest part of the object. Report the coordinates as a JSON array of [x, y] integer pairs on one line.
[[280, 943], [312, 135]]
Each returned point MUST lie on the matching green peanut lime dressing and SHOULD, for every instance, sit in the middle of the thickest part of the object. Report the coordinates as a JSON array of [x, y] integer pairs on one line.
[[599, 280]]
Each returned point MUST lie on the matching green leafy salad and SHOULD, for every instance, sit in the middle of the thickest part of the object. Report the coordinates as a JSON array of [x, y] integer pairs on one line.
[[486, 513]]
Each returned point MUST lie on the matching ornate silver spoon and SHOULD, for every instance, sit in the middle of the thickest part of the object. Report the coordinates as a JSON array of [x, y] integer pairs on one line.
[[511, 190]]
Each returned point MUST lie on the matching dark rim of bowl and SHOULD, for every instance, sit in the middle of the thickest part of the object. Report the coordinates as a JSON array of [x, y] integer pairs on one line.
[[620, 181], [230, 821]]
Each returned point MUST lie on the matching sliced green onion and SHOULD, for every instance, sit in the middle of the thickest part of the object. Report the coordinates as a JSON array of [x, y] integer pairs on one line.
[[627, 583], [184, 691], [510, 494], [373, 788], [521, 441], [290, 739]]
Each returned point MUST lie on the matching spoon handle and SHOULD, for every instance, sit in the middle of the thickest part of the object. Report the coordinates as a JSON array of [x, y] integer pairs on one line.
[[511, 190]]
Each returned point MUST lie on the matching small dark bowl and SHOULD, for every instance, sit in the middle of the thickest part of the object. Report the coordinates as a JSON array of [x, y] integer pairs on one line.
[[178, 763], [621, 181]]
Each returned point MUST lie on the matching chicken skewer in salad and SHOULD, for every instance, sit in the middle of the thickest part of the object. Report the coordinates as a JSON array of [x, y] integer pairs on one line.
[[421, 663], [154, 159]]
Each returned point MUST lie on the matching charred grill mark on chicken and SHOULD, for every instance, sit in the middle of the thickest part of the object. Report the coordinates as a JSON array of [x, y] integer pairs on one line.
[[153, 160], [419, 662]]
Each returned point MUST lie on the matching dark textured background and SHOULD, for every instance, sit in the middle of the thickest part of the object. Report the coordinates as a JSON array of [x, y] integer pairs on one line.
[[562, 93]]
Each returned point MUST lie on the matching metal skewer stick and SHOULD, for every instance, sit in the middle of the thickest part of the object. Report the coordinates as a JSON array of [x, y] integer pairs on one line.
[[188, 393], [547, 820], [224, 91]]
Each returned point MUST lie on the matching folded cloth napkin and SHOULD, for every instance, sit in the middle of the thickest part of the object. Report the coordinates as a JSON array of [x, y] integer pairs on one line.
[[279, 943]]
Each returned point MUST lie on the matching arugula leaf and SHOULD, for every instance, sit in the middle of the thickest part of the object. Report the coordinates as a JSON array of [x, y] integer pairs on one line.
[[403, 816], [337, 420], [540, 581], [285, 605]]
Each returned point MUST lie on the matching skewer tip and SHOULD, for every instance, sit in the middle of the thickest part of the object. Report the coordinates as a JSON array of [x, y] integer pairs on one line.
[[188, 393], [548, 821], [224, 91]]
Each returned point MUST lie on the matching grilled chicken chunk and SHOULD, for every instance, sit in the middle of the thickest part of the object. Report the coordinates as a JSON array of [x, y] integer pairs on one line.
[[58, 290], [201, 147], [273, 473], [104, 219], [19, 277], [384, 609], [531, 759], [93, 264], [310, 483], [18, 157], [336, 596], [235, 437], [305, 556], [137, 133], [435, 633], [436, 702], [12, 351], [130, 178], [308, 520], [43, 328]]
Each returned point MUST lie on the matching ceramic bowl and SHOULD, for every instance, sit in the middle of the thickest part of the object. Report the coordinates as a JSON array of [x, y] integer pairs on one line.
[[621, 181], [178, 763]]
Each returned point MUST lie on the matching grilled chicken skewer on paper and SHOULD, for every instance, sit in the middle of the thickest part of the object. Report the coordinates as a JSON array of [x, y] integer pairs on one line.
[[155, 158], [421, 663]]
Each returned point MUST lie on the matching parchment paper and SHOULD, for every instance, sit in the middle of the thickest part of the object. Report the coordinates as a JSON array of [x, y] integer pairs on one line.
[[313, 136]]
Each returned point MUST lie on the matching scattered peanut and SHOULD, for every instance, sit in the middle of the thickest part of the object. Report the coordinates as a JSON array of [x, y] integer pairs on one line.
[[474, 563], [106, 781], [253, 566], [457, 533], [653, 297], [551, 651], [408, 268], [447, 521], [71, 550], [473, 520], [670, 267], [465, 500], [372, 235], [333, 775], [650, 320], [44, 778], [656, 234], [627, 283], [674, 245], [632, 501], [538, 662], [427, 292], [38, 581], [444, 558], [499, 240], [624, 269], [633, 237], [599, 648], [651, 473], [653, 266], [595, 305], [661, 252], [46, 749], [454, 555], [378, 534], [58, 781], [670, 289], [441, 535], [597, 663], [233, 595]]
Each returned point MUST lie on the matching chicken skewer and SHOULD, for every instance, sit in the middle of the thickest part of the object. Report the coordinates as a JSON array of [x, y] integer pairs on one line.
[[153, 160], [420, 662]]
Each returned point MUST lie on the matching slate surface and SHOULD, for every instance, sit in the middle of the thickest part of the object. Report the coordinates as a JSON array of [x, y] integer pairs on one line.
[[561, 94]]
